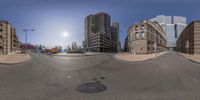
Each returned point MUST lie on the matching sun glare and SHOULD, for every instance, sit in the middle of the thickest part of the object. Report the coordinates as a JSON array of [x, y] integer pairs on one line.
[[65, 34]]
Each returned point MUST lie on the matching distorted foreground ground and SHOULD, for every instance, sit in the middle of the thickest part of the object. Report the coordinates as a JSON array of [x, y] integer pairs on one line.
[[167, 77]]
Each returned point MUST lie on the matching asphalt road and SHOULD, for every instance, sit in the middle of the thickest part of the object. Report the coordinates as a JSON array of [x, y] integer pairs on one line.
[[168, 77]]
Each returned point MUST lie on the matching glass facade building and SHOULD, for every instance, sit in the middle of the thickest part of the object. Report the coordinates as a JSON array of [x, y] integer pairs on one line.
[[173, 26]]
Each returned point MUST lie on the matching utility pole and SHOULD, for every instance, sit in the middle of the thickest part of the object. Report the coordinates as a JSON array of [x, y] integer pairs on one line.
[[26, 32]]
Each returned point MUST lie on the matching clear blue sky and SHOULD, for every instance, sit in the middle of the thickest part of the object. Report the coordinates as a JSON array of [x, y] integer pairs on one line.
[[51, 18]]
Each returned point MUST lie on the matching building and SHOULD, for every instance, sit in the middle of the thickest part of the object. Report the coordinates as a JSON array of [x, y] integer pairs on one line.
[[173, 26], [189, 40], [8, 39], [74, 46], [126, 45], [119, 47], [59, 48], [100, 36], [146, 37], [115, 37], [28, 45]]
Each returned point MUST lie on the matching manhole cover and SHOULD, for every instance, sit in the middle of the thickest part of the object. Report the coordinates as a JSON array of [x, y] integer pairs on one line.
[[102, 78], [92, 87]]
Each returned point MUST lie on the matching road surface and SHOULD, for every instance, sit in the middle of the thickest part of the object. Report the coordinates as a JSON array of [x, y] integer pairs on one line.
[[167, 77]]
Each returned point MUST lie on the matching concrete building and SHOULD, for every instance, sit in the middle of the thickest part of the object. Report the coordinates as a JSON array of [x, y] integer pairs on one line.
[[146, 37], [8, 39], [99, 35], [189, 40], [173, 26]]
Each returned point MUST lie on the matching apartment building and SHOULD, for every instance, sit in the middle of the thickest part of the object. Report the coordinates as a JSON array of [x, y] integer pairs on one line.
[[146, 37], [100, 36], [189, 40], [8, 39]]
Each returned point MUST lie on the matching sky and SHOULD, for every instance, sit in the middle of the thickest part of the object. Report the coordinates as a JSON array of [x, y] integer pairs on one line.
[[51, 19]]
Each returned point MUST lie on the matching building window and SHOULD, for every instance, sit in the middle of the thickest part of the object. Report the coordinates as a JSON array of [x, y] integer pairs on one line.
[[1, 24], [142, 26], [136, 27], [1, 30], [137, 35], [142, 34], [152, 37]]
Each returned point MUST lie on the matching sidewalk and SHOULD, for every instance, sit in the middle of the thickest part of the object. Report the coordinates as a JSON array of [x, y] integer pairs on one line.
[[14, 58], [137, 57], [195, 57]]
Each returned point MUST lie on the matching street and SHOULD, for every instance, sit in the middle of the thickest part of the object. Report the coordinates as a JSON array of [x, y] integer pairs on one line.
[[167, 77]]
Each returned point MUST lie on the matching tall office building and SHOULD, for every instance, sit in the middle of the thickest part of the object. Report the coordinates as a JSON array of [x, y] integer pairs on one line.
[[8, 38], [100, 36], [173, 26], [115, 37]]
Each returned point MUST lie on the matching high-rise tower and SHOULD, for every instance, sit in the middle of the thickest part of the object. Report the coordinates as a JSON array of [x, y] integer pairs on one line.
[[173, 26], [98, 35]]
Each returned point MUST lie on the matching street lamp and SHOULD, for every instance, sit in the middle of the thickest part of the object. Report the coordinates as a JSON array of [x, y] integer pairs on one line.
[[26, 31]]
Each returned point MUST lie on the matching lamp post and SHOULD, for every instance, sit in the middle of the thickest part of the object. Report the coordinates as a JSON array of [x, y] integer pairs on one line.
[[26, 31]]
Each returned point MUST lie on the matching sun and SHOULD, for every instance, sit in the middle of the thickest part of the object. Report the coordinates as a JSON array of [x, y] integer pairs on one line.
[[65, 34]]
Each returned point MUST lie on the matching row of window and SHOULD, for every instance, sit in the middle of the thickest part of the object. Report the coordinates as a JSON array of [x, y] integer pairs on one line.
[[139, 35], [139, 27]]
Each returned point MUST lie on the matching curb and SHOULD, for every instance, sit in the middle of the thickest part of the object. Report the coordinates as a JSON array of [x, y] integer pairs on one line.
[[194, 61], [137, 61], [189, 59], [17, 62], [132, 61]]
